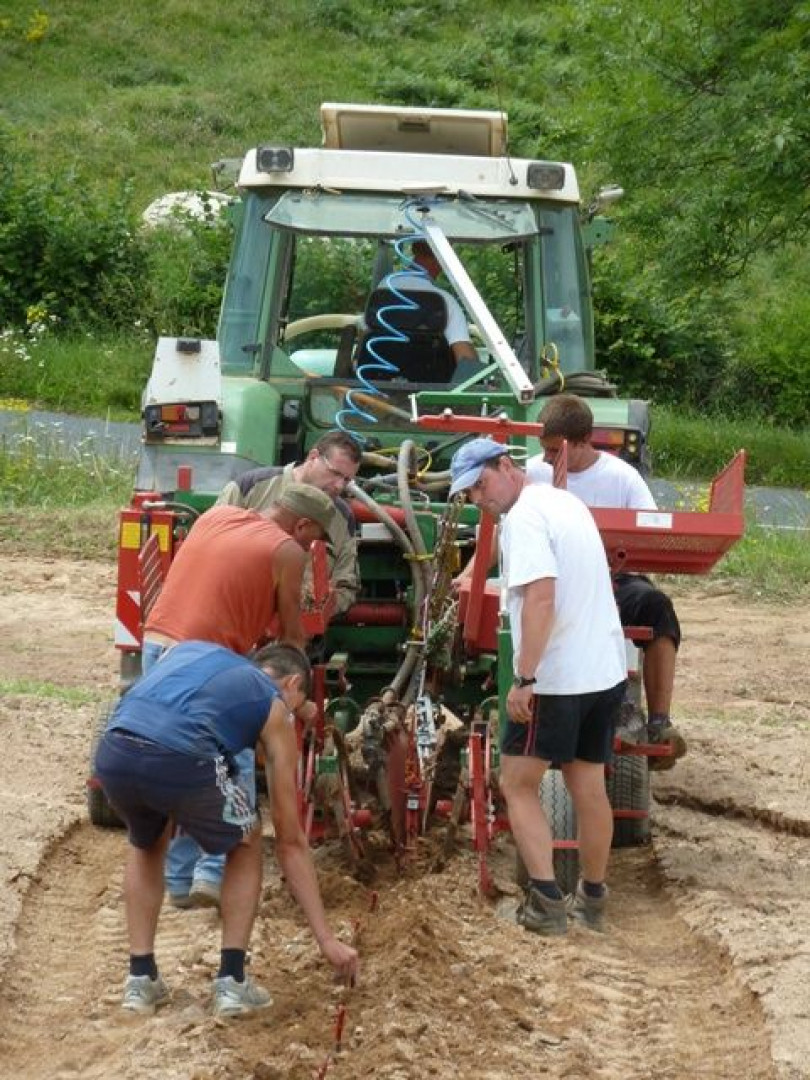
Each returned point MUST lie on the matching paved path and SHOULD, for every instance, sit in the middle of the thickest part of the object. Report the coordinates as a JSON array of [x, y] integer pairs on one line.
[[775, 508]]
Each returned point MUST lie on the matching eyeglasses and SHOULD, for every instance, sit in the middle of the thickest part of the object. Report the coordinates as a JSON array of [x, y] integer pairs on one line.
[[335, 472]]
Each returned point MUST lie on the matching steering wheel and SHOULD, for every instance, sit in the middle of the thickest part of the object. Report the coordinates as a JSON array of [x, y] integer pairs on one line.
[[327, 321]]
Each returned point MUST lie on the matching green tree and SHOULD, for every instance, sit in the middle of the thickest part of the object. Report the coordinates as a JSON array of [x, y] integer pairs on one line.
[[700, 106]]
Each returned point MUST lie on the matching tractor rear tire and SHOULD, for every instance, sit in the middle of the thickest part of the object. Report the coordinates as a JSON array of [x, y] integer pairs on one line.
[[98, 808], [562, 821], [628, 788]]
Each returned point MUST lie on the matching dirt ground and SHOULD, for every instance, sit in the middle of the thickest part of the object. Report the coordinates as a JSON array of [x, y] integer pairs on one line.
[[705, 972]]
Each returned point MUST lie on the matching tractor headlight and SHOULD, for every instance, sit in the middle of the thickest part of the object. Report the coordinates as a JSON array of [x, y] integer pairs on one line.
[[545, 176], [271, 159]]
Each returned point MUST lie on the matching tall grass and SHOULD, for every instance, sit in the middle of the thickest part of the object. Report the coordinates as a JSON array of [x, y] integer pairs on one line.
[[686, 446], [53, 500], [771, 564], [105, 376], [38, 470], [90, 375]]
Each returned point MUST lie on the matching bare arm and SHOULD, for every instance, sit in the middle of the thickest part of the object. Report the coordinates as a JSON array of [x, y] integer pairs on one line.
[[464, 350], [536, 621], [292, 850], [289, 569]]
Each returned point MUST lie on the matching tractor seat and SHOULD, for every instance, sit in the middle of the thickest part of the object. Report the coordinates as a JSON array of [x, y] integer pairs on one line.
[[425, 357]]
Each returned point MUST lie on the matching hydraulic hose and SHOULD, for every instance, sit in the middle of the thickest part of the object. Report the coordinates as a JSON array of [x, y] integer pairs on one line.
[[423, 566], [584, 383], [413, 646], [361, 403]]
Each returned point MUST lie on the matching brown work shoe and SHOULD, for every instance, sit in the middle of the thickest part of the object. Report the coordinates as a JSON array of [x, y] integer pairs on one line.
[[658, 734], [542, 915], [590, 910]]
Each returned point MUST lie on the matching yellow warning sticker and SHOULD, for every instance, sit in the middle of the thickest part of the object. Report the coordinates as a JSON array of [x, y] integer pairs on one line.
[[131, 535]]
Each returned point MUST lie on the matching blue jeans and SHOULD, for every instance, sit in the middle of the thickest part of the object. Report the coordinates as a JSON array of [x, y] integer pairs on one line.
[[186, 862]]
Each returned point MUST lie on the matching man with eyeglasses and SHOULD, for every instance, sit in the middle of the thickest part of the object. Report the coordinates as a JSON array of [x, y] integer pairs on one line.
[[330, 465]]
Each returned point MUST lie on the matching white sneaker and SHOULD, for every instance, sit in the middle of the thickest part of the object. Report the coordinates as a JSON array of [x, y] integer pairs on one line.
[[232, 998], [143, 994]]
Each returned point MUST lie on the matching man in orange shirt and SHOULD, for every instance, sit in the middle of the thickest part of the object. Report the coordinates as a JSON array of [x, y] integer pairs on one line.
[[236, 574]]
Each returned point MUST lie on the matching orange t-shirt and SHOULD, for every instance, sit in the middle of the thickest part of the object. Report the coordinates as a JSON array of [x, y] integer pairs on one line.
[[221, 586]]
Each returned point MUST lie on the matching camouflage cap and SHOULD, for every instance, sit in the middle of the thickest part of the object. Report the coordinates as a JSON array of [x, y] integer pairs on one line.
[[309, 502]]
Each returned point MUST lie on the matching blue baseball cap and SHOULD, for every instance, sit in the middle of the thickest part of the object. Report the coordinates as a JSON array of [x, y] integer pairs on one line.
[[469, 461]]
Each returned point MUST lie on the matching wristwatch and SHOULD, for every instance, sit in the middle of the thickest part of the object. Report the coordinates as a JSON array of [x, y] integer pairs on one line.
[[522, 680]]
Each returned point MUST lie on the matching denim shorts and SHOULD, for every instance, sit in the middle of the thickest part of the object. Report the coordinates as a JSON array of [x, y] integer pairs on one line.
[[148, 785], [567, 726]]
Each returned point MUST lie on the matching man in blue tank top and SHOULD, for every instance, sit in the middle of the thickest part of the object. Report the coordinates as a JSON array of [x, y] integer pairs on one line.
[[167, 758]]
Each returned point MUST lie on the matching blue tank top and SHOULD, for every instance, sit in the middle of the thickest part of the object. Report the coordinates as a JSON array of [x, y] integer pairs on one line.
[[200, 699]]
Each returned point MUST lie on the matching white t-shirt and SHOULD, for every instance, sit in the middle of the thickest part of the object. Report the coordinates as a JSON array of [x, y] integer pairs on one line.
[[609, 482], [456, 327], [551, 534]]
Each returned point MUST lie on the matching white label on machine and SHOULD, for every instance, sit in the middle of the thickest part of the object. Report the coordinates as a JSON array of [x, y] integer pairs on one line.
[[228, 448], [374, 531], [652, 520]]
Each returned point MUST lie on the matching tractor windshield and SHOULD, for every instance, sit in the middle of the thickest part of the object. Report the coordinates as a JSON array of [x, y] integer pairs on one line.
[[305, 263]]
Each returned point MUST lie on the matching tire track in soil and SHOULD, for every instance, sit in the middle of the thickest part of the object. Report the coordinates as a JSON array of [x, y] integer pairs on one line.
[[448, 989], [760, 920]]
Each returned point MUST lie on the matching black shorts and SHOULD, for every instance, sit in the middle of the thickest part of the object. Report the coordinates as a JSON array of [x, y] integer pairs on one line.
[[641, 604], [148, 785], [567, 726]]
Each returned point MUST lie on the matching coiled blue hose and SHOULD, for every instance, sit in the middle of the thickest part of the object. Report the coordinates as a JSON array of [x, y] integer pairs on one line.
[[378, 363]]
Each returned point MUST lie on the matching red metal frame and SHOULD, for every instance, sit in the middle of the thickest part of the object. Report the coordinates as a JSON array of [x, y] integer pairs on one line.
[[141, 564]]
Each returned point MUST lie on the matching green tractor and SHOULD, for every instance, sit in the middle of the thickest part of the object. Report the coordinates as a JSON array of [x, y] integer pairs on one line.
[[317, 232], [301, 351]]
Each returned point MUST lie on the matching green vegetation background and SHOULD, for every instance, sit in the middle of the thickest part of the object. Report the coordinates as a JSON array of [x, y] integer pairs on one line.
[[698, 110]]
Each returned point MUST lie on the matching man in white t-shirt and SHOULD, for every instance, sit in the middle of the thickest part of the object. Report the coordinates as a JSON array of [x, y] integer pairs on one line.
[[604, 480], [569, 665]]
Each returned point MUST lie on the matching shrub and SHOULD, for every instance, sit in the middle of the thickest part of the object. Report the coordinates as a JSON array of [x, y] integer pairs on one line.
[[65, 254], [186, 270], [670, 347], [770, 371]]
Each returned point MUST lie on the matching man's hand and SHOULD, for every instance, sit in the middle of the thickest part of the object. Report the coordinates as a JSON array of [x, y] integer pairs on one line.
[[457, 582], [343, 958], [520, 704]]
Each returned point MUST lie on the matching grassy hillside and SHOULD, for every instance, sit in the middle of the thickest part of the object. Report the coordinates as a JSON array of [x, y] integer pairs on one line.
[[158, 90], [98, 92]]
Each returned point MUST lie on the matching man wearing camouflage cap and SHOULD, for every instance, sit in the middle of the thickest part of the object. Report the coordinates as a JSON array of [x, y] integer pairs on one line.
[[238, 574]]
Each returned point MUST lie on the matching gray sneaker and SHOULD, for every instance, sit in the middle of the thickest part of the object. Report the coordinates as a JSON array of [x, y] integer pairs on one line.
[[666, 733], [204, 893], [181, 900], [143, 995], [232, 998], [542, 915], [590, 910]]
